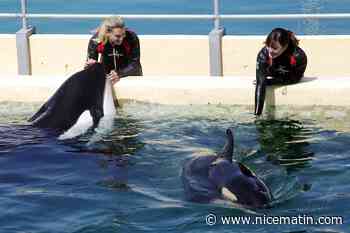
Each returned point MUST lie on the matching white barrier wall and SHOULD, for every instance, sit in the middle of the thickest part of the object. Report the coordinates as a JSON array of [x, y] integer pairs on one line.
[[8, 55], [326, 55], [160, 55], [179, 55], [187, 90]]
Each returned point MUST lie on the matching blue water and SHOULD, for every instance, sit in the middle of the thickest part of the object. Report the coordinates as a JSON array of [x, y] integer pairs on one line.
[[241, 27], [127, 178]]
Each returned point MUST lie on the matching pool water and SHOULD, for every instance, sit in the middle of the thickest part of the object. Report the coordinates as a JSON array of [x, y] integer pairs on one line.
[[127, 178], [203, 27]]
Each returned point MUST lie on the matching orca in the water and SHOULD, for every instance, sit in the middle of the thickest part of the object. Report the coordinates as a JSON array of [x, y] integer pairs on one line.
[[213, 177], [82, 91]]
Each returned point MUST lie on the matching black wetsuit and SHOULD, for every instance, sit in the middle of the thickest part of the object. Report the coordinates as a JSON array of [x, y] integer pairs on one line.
[[125, 58], [288, 68]]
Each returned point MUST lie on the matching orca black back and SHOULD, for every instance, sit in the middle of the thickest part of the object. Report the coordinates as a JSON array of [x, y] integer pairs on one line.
[[82, 91]]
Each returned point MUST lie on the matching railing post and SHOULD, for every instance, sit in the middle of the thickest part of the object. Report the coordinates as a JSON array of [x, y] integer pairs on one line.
[[22, 43], [215, 44], [24, 12], [216, 14]]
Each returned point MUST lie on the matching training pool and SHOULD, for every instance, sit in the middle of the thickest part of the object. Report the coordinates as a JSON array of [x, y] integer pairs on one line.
[[165, 27], [126, 178]]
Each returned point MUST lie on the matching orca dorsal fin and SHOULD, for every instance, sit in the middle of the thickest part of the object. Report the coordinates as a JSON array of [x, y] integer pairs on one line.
[[227, 151]]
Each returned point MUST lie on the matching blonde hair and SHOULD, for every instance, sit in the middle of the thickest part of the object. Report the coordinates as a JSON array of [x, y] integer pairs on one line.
[[107, 25]]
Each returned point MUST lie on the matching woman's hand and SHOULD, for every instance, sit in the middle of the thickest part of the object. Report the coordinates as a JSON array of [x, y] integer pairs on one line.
[[113, 76], [89, 62], [267, 77]]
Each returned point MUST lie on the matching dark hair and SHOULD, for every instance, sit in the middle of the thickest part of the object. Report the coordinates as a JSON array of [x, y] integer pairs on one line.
[[283, 36]]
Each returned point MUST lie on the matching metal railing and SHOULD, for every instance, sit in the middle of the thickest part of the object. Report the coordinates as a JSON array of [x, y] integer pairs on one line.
[[216, 16], [180, 16], [214, 37]]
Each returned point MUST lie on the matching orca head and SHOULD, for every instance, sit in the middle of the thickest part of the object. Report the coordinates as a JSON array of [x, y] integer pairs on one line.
[[238, 184], [70, 105]]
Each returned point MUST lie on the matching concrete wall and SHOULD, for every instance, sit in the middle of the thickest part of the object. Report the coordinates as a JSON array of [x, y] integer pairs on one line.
[[8, 54], [187, 90], [160, 55], [326, 55], [57, 54], [176, 55]]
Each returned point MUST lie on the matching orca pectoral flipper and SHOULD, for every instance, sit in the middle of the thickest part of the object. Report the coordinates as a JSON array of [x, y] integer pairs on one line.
[[96, 113], [97, 108]]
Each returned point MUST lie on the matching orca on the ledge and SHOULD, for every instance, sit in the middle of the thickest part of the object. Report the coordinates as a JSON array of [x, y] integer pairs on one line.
[[82, 91], [212, 177]]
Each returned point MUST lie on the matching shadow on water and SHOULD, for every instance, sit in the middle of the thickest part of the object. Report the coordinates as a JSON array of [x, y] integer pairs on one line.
[[112, 146], [120, 139], [14, 136], [43, 179], [114, 136], [285, 142], [285, 149]]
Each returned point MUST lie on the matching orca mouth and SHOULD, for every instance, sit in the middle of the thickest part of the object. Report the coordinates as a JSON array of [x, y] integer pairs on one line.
[[262, 188], [245, 170]]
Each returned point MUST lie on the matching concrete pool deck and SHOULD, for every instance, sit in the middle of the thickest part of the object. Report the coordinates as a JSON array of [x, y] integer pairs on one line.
[[172, 90]]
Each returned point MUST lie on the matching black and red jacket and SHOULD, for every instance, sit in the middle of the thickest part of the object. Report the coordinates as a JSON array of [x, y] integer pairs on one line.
[[287, 68], [127, 61]]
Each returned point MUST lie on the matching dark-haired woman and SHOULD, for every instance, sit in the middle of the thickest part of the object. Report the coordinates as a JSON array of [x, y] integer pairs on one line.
[[281, 61]]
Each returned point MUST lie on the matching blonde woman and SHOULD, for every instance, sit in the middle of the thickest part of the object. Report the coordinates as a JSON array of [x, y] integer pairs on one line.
[[117, 48]]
